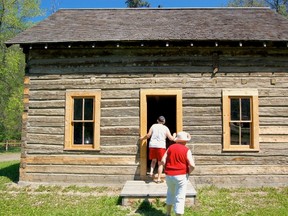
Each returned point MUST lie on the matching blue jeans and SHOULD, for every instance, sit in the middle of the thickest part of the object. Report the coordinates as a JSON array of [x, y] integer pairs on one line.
[[176, 192]]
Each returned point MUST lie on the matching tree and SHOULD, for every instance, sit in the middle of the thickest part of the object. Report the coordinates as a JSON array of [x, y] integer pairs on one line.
[[246, 3], [279, 5], [137, 3], [15, 16]]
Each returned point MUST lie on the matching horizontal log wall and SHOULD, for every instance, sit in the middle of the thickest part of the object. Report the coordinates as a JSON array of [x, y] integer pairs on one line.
[[121, 73]]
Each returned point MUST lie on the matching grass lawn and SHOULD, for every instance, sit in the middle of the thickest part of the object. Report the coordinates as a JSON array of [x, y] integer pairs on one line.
[[105, 201]]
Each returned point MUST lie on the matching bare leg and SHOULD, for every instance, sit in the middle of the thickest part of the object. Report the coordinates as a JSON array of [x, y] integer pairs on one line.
[[160, 170], [152, 166]]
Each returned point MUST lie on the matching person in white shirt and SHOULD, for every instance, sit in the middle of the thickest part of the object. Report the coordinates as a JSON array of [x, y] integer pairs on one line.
[[157, 133]]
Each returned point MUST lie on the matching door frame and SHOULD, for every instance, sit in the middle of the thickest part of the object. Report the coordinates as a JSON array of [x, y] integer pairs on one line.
[[143, 119]]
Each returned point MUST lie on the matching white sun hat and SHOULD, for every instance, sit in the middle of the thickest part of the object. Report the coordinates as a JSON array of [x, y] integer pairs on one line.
[[182, 136]]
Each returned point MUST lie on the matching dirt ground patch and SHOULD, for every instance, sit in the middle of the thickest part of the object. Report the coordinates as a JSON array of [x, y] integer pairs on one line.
[[9, 156]]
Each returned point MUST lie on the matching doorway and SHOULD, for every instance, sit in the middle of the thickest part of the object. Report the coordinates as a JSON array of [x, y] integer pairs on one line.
[[153, 104]]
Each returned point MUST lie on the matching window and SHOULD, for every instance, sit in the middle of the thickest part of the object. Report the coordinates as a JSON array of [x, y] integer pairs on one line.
[[82, 120], [240, 120]]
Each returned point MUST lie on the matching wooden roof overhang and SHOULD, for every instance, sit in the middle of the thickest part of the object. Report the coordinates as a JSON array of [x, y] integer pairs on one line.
[[169, 27], [215, 45]]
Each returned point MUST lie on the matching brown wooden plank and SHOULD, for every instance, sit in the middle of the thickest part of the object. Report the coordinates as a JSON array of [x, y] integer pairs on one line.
[[120, 112], [274, 138], [119, 121], [281, 130], [74, 179], [197, 120], [248, 159], [120, 102], [76, 169], [273, 92], [222, 170], [273, 101], [44, 149], [46, 130], [201, 102], [115, 140], [51, 104], [47, 112], [196, 111], [43, 94], [119, 130], [273, 120], [266, 149], [204, 130], [82, 159], [273, 111], [216, 139], [49, 139], [121, 149]]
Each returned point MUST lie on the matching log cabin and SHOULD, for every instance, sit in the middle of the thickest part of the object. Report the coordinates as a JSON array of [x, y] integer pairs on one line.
[[97, 79]]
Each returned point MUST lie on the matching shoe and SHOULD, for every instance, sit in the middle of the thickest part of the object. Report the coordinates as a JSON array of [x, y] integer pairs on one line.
[[158, 182], [150, 175]]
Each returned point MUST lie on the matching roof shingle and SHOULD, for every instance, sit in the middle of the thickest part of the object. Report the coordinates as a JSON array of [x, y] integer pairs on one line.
[[87, 25]]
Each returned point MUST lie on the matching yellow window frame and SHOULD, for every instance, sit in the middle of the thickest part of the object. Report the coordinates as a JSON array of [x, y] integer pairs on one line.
[[227, 94], [70, 95]]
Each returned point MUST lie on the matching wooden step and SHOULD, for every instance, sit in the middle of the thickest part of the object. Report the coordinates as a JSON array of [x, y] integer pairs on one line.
[[147, 190]]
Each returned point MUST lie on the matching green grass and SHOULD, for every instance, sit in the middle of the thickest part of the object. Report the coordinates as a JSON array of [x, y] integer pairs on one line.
[[9, 172], [76, 200]]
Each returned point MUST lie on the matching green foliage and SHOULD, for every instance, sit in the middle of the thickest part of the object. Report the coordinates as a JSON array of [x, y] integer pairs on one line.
[[246, 3], [283, 10], [137, 3], [11, 149], [279, 5], [15, 16]]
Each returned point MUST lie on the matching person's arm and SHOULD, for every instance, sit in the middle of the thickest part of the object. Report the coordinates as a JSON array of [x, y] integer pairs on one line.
[[148, 135], [169, 136], [163, 160], [191, 162]]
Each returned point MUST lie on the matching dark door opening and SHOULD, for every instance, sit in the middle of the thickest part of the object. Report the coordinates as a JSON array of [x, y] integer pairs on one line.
[[164, 105]]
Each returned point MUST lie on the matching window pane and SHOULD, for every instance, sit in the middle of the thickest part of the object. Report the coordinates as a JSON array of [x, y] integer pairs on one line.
[[245, 105], [245, 134], [234, 133], [88, 133], [77, 133], [78, 109], [88, 109], [235, 111]]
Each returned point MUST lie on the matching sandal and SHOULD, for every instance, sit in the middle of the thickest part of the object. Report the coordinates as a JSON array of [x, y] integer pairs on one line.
[[150, 175]]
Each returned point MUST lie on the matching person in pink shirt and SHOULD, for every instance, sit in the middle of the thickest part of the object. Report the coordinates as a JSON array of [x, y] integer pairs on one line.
[[179, 163], [157, 133]]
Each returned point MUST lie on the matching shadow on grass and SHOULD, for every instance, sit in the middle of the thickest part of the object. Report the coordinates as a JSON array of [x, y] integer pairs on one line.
[[147, 209], [11, 172]]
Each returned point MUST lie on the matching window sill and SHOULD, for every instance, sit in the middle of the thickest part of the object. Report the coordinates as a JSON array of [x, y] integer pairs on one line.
[[81, 149], [240, 150]]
